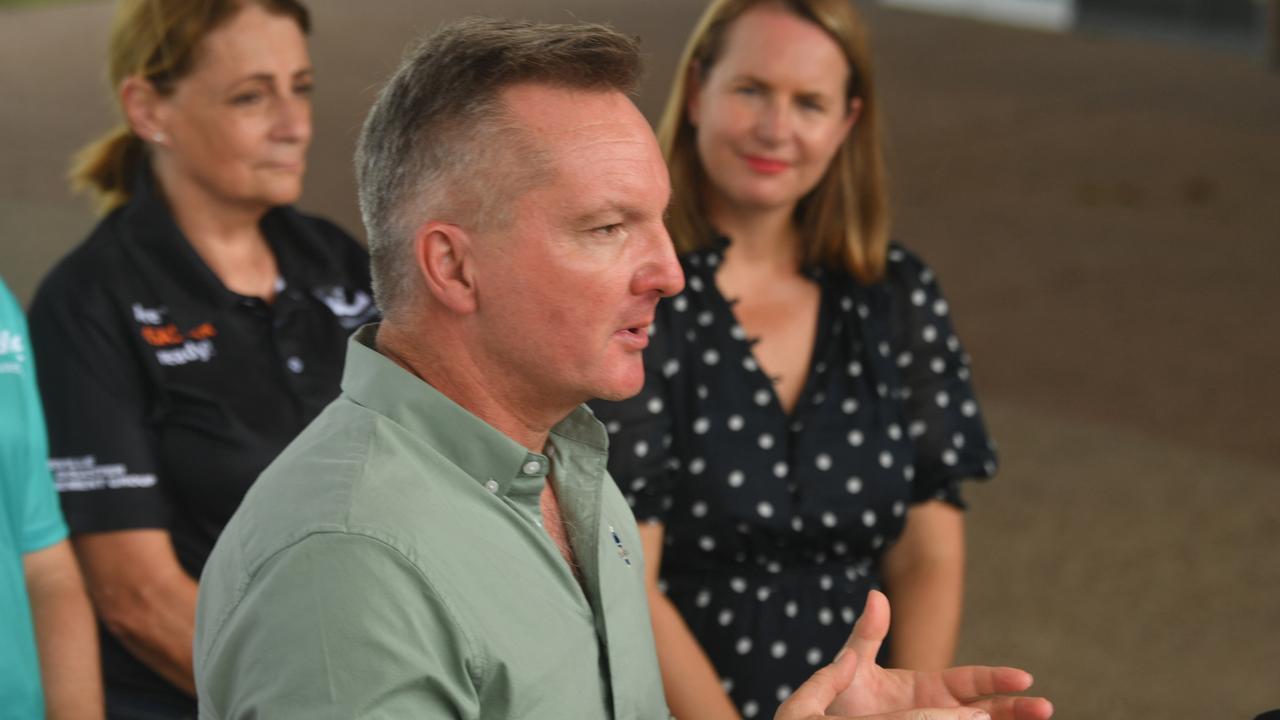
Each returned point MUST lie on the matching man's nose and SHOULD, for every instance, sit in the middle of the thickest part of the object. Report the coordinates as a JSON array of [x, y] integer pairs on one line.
[[661, 273]]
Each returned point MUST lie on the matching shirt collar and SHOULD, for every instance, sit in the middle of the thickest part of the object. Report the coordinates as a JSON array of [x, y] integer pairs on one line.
[[497, 462]]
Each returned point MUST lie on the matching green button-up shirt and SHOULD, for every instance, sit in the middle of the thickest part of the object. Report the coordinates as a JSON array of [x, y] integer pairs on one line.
[[392, 563]]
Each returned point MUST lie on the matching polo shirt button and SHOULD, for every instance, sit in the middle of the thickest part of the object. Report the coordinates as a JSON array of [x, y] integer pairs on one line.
[[532, 467], [295, 364], [491, 486]]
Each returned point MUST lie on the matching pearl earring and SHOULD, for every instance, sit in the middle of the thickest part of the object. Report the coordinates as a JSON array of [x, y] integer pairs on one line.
[[158, 137]]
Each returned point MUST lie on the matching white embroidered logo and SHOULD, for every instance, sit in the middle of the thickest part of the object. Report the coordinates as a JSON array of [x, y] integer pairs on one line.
[[174, 347], [189, 351], [82, 474], [350, 312], [146, 315]]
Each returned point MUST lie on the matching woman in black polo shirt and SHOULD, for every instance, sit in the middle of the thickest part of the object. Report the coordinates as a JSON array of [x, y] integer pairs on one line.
[[198, 329]]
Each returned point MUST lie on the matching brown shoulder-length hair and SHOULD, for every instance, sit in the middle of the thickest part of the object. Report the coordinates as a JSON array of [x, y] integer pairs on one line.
[[844, 220], [158, 40]]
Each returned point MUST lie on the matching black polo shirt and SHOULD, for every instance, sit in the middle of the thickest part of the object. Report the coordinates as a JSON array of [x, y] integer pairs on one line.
[[166, 393]]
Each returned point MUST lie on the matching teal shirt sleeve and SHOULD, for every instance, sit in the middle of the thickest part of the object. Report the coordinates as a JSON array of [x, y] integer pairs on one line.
[[334, 627], [40, 522]]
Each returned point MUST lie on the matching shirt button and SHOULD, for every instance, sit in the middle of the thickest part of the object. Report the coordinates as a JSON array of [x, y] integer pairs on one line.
[[294, 364], [491, 486], [532, 467]]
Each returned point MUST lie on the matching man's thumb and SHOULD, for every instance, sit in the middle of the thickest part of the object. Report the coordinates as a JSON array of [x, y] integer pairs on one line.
[[820, 690]]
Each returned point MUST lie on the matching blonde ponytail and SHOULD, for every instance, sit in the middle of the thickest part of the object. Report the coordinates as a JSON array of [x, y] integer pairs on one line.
[[105, 167]]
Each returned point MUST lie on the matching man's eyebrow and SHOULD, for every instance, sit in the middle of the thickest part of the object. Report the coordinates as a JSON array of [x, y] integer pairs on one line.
[[607, 211], [591, 217]]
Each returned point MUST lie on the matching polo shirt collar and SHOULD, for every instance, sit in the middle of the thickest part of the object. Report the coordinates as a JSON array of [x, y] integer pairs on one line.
[[497, 462]]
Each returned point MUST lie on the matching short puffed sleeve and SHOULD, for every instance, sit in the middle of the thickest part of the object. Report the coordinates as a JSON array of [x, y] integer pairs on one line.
[[944, 420]]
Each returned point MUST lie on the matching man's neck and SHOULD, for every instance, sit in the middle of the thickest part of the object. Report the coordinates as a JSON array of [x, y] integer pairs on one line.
[[456, 373]]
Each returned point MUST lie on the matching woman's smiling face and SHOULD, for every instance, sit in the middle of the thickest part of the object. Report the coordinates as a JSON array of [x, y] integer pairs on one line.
[[772, 111]]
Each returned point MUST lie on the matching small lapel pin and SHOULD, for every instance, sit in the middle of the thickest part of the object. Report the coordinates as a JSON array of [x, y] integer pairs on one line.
[[622, 552]]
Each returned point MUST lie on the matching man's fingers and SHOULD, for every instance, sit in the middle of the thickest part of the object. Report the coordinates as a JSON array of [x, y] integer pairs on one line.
[[869, 632], [961, 713], [1016, 708], [974, 681], [818, 692]]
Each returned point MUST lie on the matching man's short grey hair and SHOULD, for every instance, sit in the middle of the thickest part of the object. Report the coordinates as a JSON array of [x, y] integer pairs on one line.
[[439, 144]]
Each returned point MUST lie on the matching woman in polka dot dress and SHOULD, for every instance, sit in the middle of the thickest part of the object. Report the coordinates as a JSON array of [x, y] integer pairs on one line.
[[807, 414]]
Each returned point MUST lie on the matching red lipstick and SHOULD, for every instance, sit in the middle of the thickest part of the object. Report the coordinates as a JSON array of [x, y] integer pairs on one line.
[[766, 166]]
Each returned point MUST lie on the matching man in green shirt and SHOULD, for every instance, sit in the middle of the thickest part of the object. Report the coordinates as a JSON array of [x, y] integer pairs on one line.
[[443, 540]]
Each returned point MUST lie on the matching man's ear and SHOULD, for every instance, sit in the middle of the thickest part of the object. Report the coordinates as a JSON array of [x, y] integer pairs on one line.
[[144, 109], [446, 265]]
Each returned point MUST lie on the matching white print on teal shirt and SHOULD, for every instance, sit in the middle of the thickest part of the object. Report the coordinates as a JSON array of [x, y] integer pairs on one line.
[[13, 353]]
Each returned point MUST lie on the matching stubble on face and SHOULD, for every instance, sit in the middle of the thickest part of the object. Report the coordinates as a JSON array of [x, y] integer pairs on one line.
[[559, 291]]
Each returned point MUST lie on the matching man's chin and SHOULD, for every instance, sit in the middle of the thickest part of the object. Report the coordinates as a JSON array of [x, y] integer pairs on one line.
[[621, 390], [618, 395]]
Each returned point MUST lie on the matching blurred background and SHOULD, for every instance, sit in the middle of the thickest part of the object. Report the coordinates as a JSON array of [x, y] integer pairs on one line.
[[1097, 183]]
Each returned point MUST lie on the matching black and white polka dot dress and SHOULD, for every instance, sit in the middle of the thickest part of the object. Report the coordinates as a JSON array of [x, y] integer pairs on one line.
[[775, 524]]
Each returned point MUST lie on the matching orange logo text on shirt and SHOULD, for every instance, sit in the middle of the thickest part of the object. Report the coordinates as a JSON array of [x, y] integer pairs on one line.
[[165, 335], [202, 331]]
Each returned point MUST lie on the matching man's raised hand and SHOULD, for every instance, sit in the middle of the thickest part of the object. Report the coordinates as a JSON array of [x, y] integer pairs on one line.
[[853, 686]]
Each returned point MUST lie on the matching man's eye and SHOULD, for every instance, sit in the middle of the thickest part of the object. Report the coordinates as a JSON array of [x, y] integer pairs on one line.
[[609, 230], [304, 88]]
